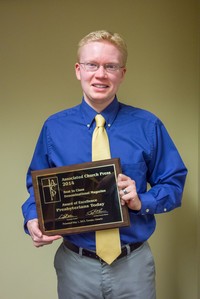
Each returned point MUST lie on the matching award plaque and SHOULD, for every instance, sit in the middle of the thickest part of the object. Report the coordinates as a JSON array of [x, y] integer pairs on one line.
[[79, 198]]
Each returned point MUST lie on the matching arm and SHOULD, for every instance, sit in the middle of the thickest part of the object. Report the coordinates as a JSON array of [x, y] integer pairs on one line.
[[165, 173], [40, 161]]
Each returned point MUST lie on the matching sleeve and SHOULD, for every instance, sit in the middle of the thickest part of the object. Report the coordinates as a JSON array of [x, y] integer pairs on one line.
[[40, 160], [166, 175]]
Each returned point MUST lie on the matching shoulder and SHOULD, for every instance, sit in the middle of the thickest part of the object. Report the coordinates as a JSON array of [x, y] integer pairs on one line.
[[64, 114], [138, 114]]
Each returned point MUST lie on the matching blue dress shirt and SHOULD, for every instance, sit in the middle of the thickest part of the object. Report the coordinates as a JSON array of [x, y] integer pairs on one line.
[[138, 138]]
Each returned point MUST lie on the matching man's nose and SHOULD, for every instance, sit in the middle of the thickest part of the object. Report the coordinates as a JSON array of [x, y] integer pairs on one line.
[[101, 72]]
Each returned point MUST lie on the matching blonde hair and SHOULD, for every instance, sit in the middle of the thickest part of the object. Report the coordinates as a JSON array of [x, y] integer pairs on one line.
[[103, 35]]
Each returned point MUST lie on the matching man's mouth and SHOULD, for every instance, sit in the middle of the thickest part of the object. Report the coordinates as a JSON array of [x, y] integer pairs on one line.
[[100, 85]]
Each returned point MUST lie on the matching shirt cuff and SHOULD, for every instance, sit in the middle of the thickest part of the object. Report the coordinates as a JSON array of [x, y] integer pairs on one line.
[[149, 204]]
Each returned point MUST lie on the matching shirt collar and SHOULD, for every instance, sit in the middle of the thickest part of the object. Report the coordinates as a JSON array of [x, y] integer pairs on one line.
[[109, 113]]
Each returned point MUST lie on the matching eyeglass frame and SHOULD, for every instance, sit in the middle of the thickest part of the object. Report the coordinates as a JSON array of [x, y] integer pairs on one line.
[[97, 66]]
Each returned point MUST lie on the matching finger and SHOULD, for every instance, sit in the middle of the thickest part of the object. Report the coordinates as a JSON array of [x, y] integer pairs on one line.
[[122, 177], [125, 191], [130, 188], [124, 182], [123, 202], [45, 240], [51, 238], [40, 244]]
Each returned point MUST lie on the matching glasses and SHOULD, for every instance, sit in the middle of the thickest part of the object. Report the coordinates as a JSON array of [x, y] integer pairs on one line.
[[108, 67]]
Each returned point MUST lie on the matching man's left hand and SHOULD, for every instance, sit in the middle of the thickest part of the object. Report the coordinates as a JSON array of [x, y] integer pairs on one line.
[[128, 193]]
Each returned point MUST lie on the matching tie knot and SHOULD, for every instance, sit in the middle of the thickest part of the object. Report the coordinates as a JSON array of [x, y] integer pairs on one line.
[[100, 120]]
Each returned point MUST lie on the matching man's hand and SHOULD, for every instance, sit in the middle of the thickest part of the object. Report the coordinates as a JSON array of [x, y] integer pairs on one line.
[[128, 193], [38, 238]]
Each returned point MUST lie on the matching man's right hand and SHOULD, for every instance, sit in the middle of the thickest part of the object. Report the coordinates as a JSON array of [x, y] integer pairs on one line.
[[38, 238]]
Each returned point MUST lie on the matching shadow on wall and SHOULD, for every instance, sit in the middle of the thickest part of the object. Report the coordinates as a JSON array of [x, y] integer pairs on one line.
[[177, 230]]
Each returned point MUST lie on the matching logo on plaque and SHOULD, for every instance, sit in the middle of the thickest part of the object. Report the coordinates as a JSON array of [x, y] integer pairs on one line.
[[50, 189]]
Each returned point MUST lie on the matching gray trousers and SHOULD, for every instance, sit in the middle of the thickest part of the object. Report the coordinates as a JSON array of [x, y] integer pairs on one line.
[[80, 277]]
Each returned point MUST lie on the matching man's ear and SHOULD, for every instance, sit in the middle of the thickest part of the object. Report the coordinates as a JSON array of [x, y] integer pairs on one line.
[[123, 73], [77, 71]]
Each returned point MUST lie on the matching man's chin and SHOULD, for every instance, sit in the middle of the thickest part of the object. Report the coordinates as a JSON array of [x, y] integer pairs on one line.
[[99, 103]]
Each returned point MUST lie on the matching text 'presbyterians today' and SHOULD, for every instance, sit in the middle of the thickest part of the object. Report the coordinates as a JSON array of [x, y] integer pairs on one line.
[[80, 205]]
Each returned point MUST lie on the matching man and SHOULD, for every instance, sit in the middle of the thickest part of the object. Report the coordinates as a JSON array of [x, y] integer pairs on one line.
[[147, 155]]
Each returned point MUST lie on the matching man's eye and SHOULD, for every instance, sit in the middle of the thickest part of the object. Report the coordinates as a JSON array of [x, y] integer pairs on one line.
[[111, 67], [92, 65]]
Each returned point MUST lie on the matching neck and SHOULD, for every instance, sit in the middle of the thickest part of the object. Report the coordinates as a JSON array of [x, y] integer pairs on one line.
[[98, 106]]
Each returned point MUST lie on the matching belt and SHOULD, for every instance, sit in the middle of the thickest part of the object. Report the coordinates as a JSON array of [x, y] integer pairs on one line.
[[125, 250]]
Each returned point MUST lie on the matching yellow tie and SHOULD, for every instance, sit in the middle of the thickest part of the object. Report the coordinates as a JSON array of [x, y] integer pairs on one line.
[[108, 246]]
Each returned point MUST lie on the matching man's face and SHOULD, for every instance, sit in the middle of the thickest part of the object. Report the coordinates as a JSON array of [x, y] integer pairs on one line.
[[99, 87]]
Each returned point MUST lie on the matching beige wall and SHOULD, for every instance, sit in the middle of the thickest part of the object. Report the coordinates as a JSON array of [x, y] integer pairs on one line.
[[38, 52]]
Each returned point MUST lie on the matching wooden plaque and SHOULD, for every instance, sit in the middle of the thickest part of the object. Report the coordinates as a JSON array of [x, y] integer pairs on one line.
[[79, 198]]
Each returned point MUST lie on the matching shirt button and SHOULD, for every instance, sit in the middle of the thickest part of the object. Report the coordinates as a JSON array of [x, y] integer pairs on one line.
[[88, 125], [165, 210], [109, 125], [147, 210]]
